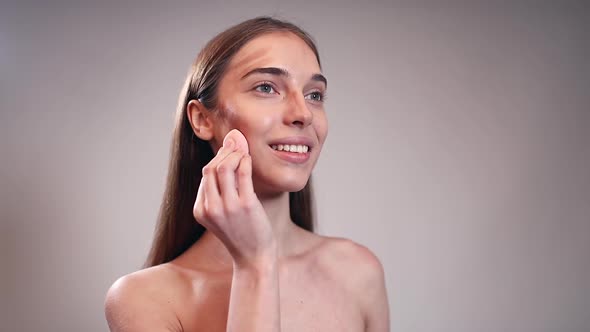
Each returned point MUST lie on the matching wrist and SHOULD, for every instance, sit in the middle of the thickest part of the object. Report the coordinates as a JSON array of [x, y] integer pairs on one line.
[[265, 262]]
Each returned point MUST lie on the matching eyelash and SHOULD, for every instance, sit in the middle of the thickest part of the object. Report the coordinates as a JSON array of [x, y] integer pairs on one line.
[[322, 95], [269, 84]]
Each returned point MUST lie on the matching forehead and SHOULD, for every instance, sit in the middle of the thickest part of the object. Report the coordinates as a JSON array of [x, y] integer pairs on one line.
[[278, 49]]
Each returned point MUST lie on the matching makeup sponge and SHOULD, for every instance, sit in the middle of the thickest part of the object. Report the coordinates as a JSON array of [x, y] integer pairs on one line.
[[240, 141]]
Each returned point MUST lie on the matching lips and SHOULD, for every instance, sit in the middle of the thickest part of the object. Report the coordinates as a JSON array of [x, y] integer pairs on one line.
[[292, 157]]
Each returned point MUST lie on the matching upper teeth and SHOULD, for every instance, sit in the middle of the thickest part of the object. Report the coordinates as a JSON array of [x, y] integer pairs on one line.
[[291, 148]]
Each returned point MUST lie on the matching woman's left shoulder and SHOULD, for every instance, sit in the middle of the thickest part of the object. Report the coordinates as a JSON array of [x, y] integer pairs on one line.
[[352, 262], [360, 272]]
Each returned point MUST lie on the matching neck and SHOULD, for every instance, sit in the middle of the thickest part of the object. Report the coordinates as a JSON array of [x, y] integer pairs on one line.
[[277, 210], [210, 250]]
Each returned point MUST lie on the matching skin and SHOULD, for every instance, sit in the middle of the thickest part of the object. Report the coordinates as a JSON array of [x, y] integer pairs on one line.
[[254, 269]]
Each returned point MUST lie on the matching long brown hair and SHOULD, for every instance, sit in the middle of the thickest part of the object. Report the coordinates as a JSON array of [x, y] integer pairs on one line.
[[176, 228]]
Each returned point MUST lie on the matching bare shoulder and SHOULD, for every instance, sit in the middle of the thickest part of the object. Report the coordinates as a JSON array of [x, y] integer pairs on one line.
[[145, 300], [346, 257], [360, 271]]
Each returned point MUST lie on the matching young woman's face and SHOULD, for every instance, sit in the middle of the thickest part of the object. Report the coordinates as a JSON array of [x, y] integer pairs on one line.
[[273, 93]]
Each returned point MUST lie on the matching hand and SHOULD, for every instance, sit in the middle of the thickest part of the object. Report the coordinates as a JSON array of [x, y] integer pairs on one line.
[[227, 205]]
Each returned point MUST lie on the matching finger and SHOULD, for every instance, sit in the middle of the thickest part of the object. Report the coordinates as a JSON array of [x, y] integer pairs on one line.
[[226, 177], [212, 200], [199, 203], [245, 186], [222, 153]]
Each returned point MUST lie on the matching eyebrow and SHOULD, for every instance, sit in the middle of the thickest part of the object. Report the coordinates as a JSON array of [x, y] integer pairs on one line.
[[282, 72]]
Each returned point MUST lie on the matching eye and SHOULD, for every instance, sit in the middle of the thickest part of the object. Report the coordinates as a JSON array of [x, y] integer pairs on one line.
[[316, 96], [265, 88]]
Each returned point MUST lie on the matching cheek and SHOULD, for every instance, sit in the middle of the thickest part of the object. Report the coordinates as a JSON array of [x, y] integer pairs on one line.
[[251, 121], [320, 125], [254, 122], [234, 117]]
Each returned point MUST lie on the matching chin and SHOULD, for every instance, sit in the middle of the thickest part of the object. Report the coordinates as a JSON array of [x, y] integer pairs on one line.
[[294, 187], [277, 185]]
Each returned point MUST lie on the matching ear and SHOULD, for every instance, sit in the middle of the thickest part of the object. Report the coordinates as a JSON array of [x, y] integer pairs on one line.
[[201, 119]]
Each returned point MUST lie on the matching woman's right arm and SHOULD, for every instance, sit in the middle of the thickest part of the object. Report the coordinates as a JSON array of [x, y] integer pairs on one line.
[[236, 216], [227, 205], [254, 298], [138, 303]]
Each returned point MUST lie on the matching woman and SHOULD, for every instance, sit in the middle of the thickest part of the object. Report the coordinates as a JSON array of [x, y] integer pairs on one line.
[[249, 129]]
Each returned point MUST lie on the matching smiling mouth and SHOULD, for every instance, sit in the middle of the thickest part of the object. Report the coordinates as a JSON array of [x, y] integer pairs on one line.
[[295, 148]]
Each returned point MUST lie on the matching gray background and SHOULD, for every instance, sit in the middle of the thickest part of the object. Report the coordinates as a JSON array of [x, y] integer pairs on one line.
[[458, 152]]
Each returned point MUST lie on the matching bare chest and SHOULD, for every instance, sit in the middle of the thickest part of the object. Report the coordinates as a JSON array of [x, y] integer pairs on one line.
[[309, 302], [318, 305]]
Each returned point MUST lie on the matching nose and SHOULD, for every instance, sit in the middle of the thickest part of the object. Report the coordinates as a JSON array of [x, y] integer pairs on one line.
[[297, 113]]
